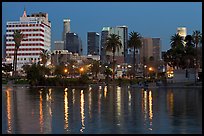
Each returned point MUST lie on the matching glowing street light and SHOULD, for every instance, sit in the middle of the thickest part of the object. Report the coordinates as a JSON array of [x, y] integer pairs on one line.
[[65, 70], [81, 69], [150, 69]]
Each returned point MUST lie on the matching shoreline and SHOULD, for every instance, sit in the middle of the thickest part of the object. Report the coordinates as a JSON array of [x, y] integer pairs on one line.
[[131, 86]]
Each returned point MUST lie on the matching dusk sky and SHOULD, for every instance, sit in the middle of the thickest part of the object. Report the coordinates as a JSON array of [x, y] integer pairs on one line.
[[150, 19]]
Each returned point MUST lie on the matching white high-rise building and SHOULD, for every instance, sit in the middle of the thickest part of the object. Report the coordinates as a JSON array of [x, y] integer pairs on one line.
[[182, 31], [66, 29], [36, 29]]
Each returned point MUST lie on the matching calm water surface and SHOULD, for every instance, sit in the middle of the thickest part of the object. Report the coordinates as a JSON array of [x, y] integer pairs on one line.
[[107, 109]]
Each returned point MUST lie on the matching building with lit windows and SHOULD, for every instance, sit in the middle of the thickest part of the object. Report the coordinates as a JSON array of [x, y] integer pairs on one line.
[[36, 29], [121, 54], [73, 43], [93, 43], [151, 47], [182, 31], [66, 29]]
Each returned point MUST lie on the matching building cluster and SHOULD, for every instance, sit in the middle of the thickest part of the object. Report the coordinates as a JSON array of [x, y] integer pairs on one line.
[[37, 31]]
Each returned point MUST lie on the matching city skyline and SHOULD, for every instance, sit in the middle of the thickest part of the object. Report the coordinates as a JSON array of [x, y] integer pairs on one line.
[[150, 19]]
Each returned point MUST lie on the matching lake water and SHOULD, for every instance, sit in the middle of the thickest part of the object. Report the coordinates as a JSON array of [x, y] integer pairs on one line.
[[101, 109]]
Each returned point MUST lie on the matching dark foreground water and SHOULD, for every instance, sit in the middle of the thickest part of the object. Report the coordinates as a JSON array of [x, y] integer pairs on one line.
[[101, 110]]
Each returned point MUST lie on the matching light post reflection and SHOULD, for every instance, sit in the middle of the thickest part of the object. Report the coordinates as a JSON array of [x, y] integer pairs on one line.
[[105, 91], [73, 97], [90, 103], [66, 125], [99, 102], [145, 105], [170, 101], [129, 100], [41, 112], [150, 110], [8, 110], [118, 103], [147, 108], [48, 113], [82, 111], [49, 100]]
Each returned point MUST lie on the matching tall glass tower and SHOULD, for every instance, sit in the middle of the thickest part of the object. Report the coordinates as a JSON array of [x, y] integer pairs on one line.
[[66, 29]]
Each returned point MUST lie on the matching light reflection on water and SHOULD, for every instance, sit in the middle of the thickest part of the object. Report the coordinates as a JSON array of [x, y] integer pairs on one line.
[[101, 109], [8, 110]]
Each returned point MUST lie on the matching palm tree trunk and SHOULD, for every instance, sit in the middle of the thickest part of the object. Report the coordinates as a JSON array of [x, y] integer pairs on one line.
[[196, 67], [14, 62], [134, 62], [113, 65]]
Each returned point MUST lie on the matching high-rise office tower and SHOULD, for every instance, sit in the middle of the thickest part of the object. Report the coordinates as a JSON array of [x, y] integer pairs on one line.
[[104, 36], [66, 29], [73, 43], [151, 47], [36, 29], [122, 32], [182, 31], [93, 43]]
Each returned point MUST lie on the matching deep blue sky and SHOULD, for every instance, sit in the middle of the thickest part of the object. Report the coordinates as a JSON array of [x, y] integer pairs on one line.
[[150, 19]]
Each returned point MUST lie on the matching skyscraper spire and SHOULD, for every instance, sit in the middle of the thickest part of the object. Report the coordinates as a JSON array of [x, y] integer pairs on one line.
[[24, 13]]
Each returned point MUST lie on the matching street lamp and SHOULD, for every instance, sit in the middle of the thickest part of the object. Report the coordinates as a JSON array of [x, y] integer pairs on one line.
[[65, 71], [150, 69], [81, 70], [144, 72]]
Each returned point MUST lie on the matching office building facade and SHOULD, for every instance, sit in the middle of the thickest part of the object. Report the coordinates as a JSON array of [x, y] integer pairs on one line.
[[151, 47], [66, 29], [92, 43], [73, 43], [36, 29], [182, 31], [121, 54], [59, 45]]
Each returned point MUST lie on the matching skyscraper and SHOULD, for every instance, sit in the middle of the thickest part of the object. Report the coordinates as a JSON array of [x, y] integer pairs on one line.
[[182, 31], [93, 43], [36, 29], [104, 36], [73, 43], [66, 29], [122, 32], [151, 47]]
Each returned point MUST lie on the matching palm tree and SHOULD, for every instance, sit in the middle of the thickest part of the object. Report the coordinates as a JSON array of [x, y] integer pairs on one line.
[[18, 37], [112, 43], [176, 40], [44, 56], [189, 51], [71, 67], [197, 38], [135, 43], [95, 67], [177, 45]]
